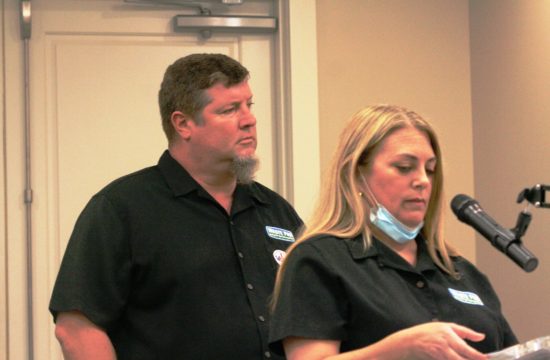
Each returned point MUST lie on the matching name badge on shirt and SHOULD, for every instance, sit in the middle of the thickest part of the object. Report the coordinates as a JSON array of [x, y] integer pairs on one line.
[[279, 234], [466, 297]]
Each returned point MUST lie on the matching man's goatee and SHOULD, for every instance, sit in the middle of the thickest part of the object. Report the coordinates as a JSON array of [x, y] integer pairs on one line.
[[245, 168]]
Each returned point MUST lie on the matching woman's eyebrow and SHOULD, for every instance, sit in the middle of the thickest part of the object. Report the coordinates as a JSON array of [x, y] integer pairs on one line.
[[413, 157]]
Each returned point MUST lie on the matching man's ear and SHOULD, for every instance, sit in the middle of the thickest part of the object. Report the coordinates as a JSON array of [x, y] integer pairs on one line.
[[181, 124]]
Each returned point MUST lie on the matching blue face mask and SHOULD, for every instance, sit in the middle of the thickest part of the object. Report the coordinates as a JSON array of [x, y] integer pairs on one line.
[[392, 227]]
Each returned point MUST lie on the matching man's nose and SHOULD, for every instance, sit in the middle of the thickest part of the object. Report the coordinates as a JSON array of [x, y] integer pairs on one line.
[[247, 117]]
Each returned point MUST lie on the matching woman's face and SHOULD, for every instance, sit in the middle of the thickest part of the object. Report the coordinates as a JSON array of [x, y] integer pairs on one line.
[[400, 174]]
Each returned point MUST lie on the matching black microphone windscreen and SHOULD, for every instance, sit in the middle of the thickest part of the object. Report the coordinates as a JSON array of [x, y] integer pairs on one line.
[[459, 203]]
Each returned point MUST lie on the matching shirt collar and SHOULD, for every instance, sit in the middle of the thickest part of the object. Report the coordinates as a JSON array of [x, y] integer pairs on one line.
[[387, 257], [182, 183], [175, 175]]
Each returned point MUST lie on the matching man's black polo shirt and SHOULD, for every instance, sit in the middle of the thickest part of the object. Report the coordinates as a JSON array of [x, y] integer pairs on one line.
[[334, 289], [160, 265]]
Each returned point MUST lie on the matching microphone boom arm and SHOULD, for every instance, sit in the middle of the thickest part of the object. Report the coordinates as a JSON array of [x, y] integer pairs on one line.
[[507, 241]]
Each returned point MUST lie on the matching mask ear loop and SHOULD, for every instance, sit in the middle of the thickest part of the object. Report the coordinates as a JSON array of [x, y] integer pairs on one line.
[[368, 195], [373, 205]]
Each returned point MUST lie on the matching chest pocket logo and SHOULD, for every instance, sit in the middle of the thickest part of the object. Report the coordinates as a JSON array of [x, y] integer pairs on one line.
[[279, 234], [466, 297]]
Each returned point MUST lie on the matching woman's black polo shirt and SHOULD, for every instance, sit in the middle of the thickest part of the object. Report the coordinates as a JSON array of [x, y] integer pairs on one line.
[[160, 265], [334, 289]]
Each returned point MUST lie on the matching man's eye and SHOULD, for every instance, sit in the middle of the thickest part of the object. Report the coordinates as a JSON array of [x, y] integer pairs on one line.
[[228, 110]]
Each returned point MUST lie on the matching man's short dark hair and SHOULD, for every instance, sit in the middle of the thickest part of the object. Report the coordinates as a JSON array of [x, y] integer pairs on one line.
[[185, 81]]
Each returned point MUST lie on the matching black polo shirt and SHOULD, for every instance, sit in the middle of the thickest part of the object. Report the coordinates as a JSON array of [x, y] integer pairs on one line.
[[334, 289], [160, 265]]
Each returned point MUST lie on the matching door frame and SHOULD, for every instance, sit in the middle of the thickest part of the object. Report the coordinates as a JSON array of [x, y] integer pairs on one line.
[[299, 166], [298, 58]]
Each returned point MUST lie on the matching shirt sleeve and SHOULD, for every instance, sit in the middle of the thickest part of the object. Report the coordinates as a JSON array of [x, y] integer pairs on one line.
[[94, 277], [311, 301]]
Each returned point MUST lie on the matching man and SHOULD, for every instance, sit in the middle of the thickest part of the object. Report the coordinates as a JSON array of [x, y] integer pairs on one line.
[[177, 261]]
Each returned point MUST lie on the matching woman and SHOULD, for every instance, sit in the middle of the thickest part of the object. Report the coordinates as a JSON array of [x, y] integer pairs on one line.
[[372, 276]]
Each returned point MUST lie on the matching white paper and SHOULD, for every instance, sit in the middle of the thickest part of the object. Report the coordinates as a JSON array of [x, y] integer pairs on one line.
[[536, 349]]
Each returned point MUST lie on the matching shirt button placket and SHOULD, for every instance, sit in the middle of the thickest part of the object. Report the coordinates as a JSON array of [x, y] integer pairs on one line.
[[421, 284]]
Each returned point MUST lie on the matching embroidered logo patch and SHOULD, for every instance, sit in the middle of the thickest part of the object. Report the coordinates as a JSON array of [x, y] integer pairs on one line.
[[279, 234], [466, 297], [279, 256]]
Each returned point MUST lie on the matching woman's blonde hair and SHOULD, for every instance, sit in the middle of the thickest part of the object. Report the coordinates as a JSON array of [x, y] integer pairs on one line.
[[340, 210]]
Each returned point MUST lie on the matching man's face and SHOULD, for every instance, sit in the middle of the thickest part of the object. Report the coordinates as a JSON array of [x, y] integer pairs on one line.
[[227, 127]]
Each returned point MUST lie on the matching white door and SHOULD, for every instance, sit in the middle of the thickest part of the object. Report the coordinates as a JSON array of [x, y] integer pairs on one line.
[[95, 70]]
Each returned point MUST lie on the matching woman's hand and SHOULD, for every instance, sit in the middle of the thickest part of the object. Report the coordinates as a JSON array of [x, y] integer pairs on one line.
[[436, 341], [430, 341]]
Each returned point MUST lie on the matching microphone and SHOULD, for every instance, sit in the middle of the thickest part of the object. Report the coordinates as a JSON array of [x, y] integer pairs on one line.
[[470, 212]]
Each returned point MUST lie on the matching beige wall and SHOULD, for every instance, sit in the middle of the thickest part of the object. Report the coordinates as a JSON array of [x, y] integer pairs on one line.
[[3, 234], [511, 116], [411, 53]]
